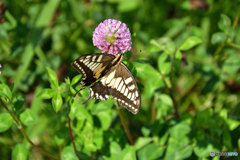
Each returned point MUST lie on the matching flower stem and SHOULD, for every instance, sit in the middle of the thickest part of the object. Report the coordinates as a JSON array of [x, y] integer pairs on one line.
[[24, 133], [124, 124]]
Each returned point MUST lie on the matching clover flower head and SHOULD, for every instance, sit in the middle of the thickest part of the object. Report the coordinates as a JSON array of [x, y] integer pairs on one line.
[[112, 36]]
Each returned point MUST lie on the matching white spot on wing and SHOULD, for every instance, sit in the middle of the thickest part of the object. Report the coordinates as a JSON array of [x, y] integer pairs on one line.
[[128, 80], [126, 92], [117, 81], [103, 80], [93, 58], [123, 88], [133, 97], [86, 61], [132, 87], [90, 64], [136, 93], [120, 86], [99, 58], [129, 96], [94, 66], [110, 77]]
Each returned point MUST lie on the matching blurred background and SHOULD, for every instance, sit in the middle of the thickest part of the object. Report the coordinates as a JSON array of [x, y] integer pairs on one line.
[[190, 95]]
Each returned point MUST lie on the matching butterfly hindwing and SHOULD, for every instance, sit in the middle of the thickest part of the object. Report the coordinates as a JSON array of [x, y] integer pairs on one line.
[[92, 66], [120, 84]]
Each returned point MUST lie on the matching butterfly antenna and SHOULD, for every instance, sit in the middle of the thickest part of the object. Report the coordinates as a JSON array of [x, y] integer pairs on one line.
[[79, 91]]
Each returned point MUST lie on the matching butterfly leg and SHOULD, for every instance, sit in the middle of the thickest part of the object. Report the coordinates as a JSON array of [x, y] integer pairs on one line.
[[79, 91]]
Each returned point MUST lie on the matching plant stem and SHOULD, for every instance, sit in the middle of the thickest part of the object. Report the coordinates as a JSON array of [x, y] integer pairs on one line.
[[233, 45], [70, 130], [24, 133], [124, 124], [236, 20], [71, 135]]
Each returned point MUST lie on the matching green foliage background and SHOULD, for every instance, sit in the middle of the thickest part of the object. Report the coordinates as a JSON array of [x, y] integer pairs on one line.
[[188, 72]]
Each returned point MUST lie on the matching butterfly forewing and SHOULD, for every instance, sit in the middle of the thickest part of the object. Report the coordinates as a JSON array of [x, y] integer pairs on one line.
[[120, 84], [92, 66], [116, 79]]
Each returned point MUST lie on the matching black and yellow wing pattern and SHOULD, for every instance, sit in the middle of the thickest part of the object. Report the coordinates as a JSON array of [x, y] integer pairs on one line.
[[115, 79]]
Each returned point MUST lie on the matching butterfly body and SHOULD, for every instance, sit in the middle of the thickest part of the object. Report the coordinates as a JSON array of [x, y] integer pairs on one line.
[[115, 79]]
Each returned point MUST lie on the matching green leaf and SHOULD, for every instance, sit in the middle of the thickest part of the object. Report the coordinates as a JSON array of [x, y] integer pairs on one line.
[[57, 102], [180, 130], [239, 143], [218, 37], [141, 142], [102, 106], [152, 85], [227, 140], [146, 71], [76, 79], [47, 13], [67, 80], [232, 124], [126, 6], [18, 101], [164, 64], [204, 147], [26, 59], [178, 149], [128, 153], [190, 43], [231, 33], [59, 140], [52, 77], [204, 116], [5, 91], [177, 61], [155, 46], [98, 139], [47, 93], [150, 152], [27, 117], [89, 145], [115, 150], [166, 99], [19, 152], [105, 119], [170, 48], [74, 107], [5, 121], [133, 37], [68, 154], [224, 22]]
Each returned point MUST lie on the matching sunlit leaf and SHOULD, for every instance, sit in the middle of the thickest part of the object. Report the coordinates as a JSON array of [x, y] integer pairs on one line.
[[218, 37], [47, 93], [5, 121], [57, 102], [190, 43], [19, 152], [52, 77], [28, 117]]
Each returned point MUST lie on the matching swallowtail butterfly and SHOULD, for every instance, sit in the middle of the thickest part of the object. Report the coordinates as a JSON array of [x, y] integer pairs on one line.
[[115, 79]]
